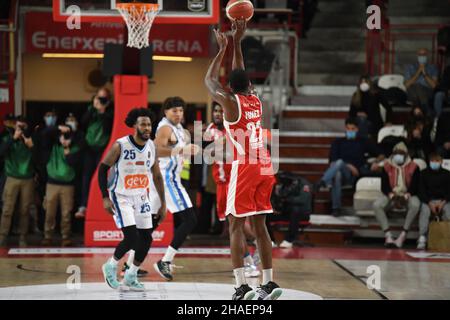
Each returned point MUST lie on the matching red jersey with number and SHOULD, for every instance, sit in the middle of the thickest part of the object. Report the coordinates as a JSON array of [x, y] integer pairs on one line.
[[251, 177]]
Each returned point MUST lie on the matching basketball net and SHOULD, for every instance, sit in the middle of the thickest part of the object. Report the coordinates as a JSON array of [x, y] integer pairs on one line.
[[139, 18]]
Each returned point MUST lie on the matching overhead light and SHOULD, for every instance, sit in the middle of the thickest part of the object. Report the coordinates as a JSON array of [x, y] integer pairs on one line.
[[100, 56], [74, 55], [170, 58]]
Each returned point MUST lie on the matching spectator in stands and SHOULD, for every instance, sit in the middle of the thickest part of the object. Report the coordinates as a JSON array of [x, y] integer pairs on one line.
[[400, 183], [421, 78], [347, 161], [16, 148], [416, 116], [365, 107], [62, 153], [97, 122], [443, 136], [418, 141], [434, 192]]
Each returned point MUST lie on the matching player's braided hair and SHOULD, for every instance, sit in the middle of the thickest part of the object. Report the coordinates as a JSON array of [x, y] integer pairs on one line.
[[134, 114]]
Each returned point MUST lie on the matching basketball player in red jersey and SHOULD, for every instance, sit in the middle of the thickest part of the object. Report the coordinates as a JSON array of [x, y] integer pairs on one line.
[[251, 177], [221, 170], [215, 133]]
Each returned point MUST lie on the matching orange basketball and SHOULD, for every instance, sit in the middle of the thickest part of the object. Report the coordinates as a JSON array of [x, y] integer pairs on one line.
[[239, 9]]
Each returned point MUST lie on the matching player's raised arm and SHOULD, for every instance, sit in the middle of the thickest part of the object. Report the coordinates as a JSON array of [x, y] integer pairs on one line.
[[111, 158], [239, 27], [213, 84]]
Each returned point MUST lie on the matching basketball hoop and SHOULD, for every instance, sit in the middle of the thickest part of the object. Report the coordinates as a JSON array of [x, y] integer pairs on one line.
[[139, 18]]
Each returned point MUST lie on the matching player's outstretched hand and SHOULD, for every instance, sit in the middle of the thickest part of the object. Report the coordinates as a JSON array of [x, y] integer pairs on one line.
[[238, 28], [108, 205], [222, 40]]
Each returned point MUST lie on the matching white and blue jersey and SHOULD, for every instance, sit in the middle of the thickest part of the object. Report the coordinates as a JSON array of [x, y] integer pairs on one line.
[[177, 198], [130, 185]]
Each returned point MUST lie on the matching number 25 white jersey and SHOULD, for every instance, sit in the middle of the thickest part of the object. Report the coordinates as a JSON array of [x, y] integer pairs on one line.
[[132, 173]]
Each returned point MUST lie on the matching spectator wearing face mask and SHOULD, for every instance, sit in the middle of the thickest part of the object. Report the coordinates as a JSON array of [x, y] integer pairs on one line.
[[17, 150], [365, 107], [434, 192], [421, 79], [49, 121], [347, 160], [97, 123], [62, 154], [400, 183]]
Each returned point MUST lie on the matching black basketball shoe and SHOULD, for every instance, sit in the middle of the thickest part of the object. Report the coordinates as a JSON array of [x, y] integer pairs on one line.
[[269, 291], [244, 292], [164, 270]]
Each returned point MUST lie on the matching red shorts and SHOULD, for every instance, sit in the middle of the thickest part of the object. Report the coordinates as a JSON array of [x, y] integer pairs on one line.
[[249, 189], [221, 200]]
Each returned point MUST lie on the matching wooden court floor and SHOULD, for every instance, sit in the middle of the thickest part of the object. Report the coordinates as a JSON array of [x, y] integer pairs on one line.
[[332, 273]]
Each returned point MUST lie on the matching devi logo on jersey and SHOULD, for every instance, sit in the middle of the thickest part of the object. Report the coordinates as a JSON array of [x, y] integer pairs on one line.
[[136, 181]]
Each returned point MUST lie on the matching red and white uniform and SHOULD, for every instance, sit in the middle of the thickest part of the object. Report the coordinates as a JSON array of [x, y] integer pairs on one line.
[[251, 177], [221, 173]]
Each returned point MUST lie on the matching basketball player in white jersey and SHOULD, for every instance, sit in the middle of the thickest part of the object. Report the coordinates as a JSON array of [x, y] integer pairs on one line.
[[133, 163], [251, 177], [170, 135]]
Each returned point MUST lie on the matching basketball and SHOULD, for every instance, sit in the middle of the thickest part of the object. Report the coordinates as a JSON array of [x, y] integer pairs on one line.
[[239, 9]]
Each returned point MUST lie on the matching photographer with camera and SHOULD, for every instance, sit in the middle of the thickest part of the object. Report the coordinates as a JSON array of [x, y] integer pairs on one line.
[[292, 199], [97, 122], [17, 150], [61, 150], [400, 185]]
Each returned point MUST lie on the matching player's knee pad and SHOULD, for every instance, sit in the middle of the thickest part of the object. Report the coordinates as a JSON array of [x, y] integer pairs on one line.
[[145, 235], [130, 236], [190, 218], [144, 243]]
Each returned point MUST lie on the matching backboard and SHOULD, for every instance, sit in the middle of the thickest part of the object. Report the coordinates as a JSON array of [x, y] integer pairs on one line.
[[172, 11]]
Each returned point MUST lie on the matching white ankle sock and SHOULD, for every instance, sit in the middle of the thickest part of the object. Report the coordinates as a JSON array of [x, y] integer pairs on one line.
[[170, 254], [239, 275], [113, 261], [130, 257], [249, 259], [267, 276], [133, 269]]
